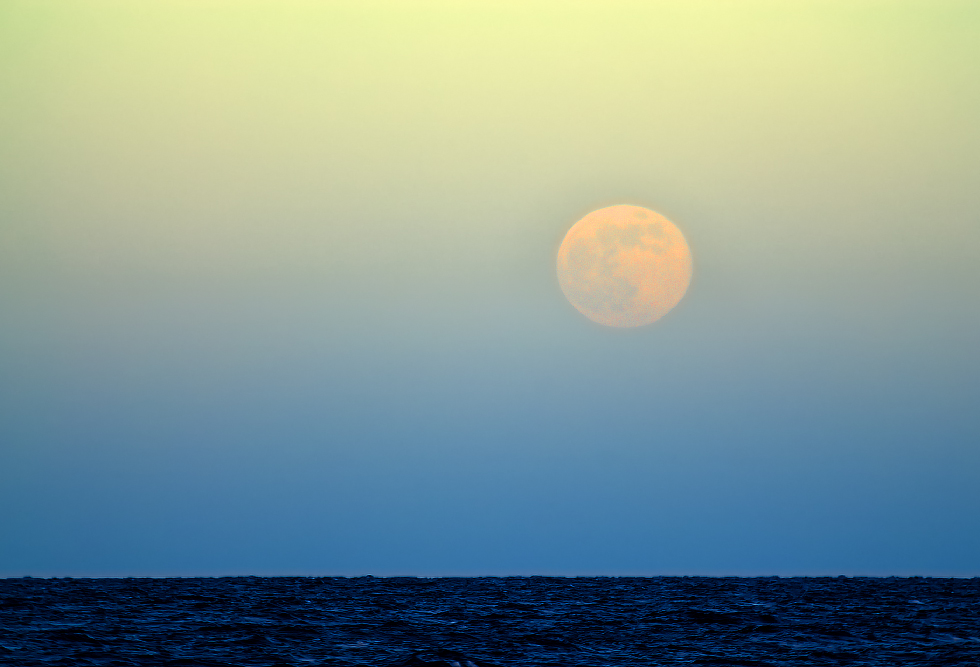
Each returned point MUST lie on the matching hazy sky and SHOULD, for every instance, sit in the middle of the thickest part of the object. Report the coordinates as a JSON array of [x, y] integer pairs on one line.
[[278, 289]]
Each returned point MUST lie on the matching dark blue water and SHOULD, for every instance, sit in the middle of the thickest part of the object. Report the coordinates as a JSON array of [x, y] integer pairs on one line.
[[480, 622]]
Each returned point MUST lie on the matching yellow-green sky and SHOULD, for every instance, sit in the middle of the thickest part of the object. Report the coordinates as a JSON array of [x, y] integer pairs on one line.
[[297, 259]]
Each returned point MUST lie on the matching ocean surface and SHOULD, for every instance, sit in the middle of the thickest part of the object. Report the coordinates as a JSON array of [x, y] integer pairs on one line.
[[481, 622]]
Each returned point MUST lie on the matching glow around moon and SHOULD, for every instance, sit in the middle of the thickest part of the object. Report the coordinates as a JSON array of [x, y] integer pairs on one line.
[[624, 266]]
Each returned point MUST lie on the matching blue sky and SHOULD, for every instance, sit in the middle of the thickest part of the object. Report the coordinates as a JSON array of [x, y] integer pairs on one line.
[[278, 290]]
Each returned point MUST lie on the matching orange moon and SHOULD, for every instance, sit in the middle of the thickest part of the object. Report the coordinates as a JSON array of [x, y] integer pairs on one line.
[[624, 266]]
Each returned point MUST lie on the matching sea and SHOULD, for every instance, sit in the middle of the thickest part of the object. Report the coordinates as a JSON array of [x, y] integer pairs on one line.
[[490, 621]]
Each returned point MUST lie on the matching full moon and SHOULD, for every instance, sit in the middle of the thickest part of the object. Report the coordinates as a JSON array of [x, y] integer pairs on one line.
[[624, 266]]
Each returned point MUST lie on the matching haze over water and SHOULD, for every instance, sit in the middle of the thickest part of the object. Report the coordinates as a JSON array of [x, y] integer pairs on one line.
[[278, 291]]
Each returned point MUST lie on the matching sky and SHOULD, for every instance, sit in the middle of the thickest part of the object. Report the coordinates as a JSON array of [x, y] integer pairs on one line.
[[278, 292]]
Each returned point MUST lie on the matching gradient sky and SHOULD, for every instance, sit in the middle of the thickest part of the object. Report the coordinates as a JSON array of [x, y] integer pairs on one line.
[[278, 289]]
